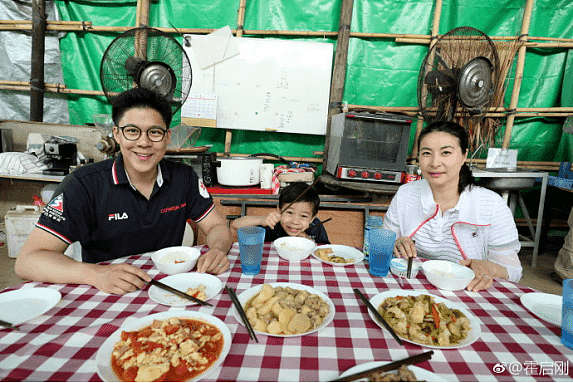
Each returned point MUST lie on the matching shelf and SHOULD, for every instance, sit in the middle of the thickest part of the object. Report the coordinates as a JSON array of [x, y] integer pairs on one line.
[[33, 177]]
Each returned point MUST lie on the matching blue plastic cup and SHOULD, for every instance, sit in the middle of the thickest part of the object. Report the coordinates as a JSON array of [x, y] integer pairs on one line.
[[380, 249], [567, 314], [251, 241]]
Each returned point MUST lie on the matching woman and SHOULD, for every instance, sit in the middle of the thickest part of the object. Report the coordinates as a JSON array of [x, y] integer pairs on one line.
[[446, 216]]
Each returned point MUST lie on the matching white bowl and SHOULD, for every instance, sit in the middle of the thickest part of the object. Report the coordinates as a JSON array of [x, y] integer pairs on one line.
[[175, 259], [448, 275], [294, 249], [399, 267]]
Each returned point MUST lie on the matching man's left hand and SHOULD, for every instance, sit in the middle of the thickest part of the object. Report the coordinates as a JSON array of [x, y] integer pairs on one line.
[[213, 261]]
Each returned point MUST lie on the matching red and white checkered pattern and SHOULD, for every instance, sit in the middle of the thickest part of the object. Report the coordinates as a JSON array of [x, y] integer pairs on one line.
[[61, 345]]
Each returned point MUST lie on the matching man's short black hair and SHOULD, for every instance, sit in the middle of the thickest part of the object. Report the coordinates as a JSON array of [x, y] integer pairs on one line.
[[140, 98], [292, 191]]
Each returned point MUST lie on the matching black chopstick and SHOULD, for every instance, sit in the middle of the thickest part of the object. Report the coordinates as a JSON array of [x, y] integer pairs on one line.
[[163, 286], [241, 311], [409, 272], [8, 325], [319, 223], [387, 367], [301, 194], [378, 316]]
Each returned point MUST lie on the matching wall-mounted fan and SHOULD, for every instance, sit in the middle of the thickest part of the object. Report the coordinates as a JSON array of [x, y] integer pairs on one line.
[[146, 58], [458, 76]]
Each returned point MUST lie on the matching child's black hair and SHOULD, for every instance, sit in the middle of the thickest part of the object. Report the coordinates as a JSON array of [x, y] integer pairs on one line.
[[292, 191]]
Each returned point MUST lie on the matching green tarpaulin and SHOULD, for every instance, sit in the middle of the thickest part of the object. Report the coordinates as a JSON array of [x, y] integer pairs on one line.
[[380, 71]]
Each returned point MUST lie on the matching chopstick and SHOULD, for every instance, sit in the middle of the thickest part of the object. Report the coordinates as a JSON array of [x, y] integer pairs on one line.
[[8, 325], [241, 311], [163, 286], [319, 223], [409, 272], [301, 194], [388, 367], [378, 316]]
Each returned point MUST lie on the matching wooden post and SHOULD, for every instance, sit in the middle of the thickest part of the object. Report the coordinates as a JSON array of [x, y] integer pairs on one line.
[[239, 33], [37, 69], [339, 70], [435, 33], [518, 73]]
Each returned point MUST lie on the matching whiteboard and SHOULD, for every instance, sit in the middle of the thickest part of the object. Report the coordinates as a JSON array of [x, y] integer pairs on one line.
[[271, 85]]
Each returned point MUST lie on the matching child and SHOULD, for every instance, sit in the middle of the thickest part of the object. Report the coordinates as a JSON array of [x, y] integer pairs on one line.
[[294, 221]]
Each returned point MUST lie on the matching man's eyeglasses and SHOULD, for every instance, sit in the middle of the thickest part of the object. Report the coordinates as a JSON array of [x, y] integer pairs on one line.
[[132, 133]]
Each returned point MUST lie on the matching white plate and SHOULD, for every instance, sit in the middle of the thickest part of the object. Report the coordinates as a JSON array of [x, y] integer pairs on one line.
[[421, 374], [341, 251], [545, 306], [248, 294], [182, 282], [103, 356], [19, 306], [475, 323]]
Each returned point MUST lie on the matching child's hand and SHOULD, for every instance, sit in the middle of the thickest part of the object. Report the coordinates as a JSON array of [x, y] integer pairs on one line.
[[272, 219]]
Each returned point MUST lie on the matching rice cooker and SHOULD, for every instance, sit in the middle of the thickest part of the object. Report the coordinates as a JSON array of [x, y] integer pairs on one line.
[[238, 171]]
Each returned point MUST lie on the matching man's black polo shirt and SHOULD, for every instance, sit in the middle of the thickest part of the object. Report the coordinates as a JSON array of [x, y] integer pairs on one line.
[[97, 206]]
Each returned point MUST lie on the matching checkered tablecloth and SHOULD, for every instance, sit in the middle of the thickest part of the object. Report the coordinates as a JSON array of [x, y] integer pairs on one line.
[[515, 345]]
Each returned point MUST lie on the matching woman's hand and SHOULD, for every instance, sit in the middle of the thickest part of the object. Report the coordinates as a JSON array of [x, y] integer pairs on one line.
[[120, 279], [485, 272], [404, 247]]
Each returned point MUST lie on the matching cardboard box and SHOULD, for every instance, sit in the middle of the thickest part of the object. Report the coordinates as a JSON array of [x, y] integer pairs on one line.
[[19, 223]]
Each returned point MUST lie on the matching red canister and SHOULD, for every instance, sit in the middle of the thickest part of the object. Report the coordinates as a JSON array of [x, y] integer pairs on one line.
[[411, 174]]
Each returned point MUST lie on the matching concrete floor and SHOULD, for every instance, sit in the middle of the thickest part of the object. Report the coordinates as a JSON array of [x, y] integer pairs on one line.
[[538, 278]]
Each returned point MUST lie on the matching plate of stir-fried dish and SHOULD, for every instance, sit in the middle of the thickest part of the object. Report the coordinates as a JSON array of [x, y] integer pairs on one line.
[[426, 319]]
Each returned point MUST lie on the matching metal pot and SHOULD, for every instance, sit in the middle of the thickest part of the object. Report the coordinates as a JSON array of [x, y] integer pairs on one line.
[[238, 171]]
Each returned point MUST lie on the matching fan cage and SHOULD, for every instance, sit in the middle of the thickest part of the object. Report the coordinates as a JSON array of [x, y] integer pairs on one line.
[[145, 45], [451, 52]]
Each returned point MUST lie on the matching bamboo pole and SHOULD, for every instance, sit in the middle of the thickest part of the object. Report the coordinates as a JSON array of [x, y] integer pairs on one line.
[[435, 33], [71, 26], [408, 110], [65, 26], [518, 73], [287, 158], [339, 70]]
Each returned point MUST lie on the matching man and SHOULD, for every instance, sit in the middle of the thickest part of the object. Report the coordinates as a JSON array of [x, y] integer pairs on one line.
[[132, 204]]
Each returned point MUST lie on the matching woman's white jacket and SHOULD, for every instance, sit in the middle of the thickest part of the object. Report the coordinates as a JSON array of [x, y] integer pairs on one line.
[[485, 228]]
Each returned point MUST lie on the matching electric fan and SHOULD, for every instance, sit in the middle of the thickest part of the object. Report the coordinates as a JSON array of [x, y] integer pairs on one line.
[[458, 77], [146, 58]]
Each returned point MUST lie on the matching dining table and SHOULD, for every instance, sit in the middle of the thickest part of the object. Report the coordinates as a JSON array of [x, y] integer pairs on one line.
[[514, 345]]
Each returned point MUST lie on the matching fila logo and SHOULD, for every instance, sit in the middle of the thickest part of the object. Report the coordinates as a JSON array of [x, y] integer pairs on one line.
[[117, 216]]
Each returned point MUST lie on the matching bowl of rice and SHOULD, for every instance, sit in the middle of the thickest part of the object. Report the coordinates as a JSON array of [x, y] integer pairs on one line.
[[294, 249], [175, 259], [448, 275]]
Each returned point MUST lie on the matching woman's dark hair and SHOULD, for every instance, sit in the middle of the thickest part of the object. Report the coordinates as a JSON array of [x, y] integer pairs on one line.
[[140, 98], [293, 190], [458, 131]]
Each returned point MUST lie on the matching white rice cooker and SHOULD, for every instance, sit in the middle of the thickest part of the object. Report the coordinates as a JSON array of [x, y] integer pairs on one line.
[[238, 171]]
